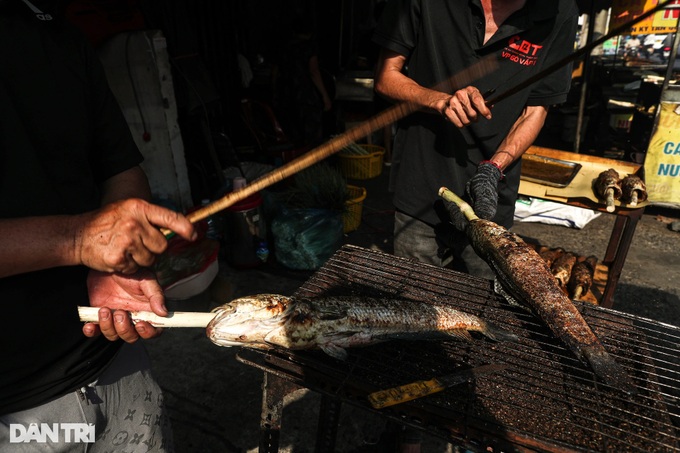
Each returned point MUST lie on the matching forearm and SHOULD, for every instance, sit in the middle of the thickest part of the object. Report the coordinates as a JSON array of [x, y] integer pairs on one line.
[[393, 85], [521, 136], [398, 88], [36, 243]]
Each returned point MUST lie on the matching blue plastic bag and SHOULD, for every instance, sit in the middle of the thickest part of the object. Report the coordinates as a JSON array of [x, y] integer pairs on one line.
[[305, 239]]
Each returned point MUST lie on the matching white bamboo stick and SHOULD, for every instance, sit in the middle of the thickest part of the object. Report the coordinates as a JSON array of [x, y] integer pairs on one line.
[[174, 319]]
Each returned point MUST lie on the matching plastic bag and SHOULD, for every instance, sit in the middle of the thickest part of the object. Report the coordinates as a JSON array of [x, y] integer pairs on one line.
[[551, 213], [183, 258], [304, 239]]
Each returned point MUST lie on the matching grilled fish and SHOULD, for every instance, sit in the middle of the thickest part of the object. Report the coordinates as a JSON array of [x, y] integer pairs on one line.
[[335, 323], [607, 186], [633, 190], [582, 277], [524, 275], [561, 269]]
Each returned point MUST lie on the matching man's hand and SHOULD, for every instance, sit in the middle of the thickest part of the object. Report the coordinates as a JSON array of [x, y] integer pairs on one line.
[[123, 236], [465, 106], [481, 191], [457, 218], [118, 294]]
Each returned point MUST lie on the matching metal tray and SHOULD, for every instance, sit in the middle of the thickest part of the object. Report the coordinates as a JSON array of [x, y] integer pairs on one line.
[[548, 171]]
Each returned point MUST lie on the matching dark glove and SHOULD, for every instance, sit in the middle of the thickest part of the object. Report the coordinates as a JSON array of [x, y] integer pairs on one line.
[[482, 194], [482, 189], [457, 218]]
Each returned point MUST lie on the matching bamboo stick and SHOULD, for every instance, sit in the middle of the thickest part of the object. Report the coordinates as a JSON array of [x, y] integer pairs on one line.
[[335, 144], [465, 208], [174, 319], [609, 199]]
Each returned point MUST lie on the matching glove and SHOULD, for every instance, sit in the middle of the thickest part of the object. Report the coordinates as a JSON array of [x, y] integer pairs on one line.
[[482, 194], [482, 189], [457, 218]]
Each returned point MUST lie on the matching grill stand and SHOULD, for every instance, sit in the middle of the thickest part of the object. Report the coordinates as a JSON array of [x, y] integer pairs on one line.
[[329, 420], [274, 390], [283, 377]]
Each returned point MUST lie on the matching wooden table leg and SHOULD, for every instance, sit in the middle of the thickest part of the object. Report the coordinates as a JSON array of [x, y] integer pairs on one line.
[[617, 250]]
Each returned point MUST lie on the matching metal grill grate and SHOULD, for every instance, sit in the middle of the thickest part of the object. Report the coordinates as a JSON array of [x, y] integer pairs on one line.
[[546, 400]]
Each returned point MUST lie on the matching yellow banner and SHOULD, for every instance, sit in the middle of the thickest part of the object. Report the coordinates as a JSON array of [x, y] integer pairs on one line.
[[661, 22], [662, 163]]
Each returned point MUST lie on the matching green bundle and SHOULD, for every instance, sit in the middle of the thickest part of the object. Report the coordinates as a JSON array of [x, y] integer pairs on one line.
[[354, 150]]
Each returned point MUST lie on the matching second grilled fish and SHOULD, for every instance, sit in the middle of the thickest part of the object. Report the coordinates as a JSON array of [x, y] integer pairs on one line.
[[525, 276]]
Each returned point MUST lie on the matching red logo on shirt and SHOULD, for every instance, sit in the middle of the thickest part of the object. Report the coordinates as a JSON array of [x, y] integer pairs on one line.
[[521, 51]]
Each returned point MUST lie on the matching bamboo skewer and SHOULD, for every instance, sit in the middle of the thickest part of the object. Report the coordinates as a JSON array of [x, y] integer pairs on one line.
[[174, 319], [609, 199], [335, 144], [465, 208], [310, 158]]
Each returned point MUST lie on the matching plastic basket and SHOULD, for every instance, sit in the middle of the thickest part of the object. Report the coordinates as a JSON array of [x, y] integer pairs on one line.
[[351, 218], [363, 167]]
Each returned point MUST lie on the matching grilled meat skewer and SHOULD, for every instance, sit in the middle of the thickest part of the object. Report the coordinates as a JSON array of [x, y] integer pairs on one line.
[[582, 277], [607, 186], [633, 190], [524, 275]]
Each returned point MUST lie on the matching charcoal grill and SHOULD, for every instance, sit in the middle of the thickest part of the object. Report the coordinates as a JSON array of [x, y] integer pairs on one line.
[[546, 400]]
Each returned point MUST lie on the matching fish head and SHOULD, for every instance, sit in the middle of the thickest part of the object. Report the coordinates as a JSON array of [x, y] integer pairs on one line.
[[247, 321]]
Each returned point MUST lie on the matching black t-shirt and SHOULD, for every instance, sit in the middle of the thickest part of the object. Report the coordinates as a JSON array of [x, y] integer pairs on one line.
[[441, 39], [61, 135]]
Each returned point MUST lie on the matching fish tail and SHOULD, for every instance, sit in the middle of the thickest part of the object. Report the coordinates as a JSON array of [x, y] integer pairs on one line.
[[607, 369], [497, 333]]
